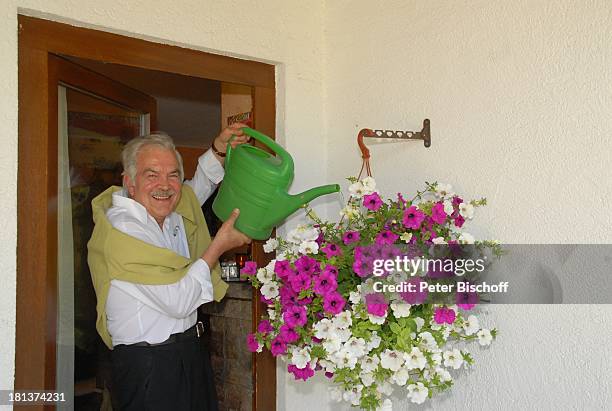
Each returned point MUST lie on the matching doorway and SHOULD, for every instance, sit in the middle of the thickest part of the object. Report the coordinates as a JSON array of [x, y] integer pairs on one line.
[[44, 79]]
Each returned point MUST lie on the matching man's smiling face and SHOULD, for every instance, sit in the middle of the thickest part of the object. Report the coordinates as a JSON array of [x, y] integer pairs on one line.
[[157, 185]]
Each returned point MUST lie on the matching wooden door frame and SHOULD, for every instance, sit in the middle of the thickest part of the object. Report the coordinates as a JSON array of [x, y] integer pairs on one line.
[[39, 39]]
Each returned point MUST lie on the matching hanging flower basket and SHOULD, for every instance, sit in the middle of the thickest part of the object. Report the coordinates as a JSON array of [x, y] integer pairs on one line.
[[326, 312]]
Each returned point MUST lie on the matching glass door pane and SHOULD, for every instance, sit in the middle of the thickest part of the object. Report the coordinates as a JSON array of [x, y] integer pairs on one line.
[[92, 132]]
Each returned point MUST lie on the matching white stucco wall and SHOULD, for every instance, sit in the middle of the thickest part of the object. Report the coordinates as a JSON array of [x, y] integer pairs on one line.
[[519, 98], [518, 94]]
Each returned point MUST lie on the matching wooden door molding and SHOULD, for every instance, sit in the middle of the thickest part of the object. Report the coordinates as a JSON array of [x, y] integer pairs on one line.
[[75, 41], [39, 41]]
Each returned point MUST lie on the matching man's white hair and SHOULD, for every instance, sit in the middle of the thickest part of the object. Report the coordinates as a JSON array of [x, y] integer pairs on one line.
[[134, 147]]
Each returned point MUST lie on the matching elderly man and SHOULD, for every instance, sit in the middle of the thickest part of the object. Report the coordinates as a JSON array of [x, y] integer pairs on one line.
[[153, 264]]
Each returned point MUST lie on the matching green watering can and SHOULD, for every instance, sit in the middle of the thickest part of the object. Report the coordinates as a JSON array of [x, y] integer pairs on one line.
[[256, 182]]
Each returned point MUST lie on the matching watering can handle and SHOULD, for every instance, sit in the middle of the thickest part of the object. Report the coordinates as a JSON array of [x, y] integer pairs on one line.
[[287, 161]]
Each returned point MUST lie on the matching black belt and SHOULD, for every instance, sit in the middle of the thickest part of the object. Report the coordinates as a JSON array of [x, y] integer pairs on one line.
[[196, 331]]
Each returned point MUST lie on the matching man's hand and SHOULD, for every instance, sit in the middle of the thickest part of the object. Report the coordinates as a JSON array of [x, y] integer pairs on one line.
[[227, 238], [235, 129]]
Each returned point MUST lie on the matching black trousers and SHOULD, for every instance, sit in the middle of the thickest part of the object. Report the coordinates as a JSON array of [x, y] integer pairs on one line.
[[175, 377]]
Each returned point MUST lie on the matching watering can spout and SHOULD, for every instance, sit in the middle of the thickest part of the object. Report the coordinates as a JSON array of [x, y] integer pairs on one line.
[[293, 202]]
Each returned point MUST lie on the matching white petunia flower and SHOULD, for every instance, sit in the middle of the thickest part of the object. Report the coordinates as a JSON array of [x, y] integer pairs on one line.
[[335, 393], [444, 374], [300, 357], [417, 393], [391, 359], [406, 237], [356, 346], [328, 366], [466, 210], [436, 357], [453, 359], [349, 212], [400, 377], [354, 297], [270, 290], [357, 189], [324, 328], [343, 320], [374, 319], [466, 238], [374, 341], [471, 325], [419, 323], [484, 337], [344, 359], [309, 247], [444, 190], [271, 314], [385, 388], [367, 378], [369, 185], [353, 395], [302, 232], [448, 207], [386, 405], [264, 276], [427, 342], [400, 309], [270, 245], [439, 241], [369, 363], [342, 334], [415, 359], [332, 345]]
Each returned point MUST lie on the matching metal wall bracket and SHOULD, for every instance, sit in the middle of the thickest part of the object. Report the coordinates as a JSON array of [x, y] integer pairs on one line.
[[424, 134]]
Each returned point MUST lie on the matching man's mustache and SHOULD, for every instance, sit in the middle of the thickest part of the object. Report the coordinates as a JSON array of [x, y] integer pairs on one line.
[[163, 193]]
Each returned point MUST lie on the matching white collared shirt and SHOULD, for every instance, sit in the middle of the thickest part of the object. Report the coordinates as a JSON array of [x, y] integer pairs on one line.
[[138, 312]]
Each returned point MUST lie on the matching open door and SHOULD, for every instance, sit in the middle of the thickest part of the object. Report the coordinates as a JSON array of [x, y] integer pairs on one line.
[[96, 117], [43, 215]]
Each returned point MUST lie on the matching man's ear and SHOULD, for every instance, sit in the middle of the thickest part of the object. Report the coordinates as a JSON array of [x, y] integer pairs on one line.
[[129, 185]]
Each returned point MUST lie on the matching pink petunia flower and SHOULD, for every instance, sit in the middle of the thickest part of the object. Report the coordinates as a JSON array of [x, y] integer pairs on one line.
[[265, 327], [282, 268], [301, 373], [307, 265], [466, 300], [413, 218], [288, 297], [331, 250], [351, 237], [288, 334], [376, 304], [372, 201], [444, 315], [333, 303], [300, 282], [325, 283], [278, 346], [386, 237], [417, 296], [459, 220], [250, 268], [252, 343], [295, 316], [438, 215]]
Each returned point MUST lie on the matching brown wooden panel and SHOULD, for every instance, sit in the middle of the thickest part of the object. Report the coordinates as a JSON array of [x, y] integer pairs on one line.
[[112, 48], [264, 364], [87, 80], [190, 159], [33, 225]]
